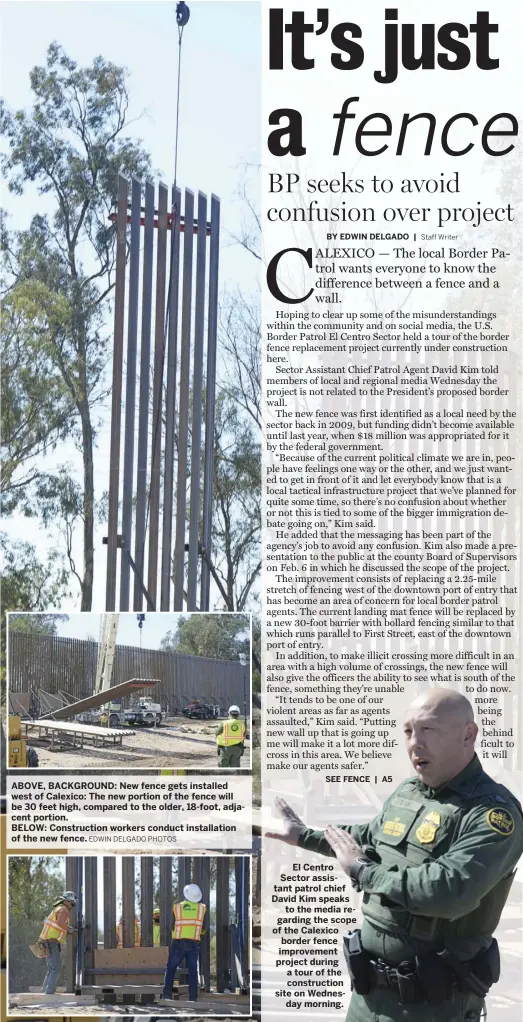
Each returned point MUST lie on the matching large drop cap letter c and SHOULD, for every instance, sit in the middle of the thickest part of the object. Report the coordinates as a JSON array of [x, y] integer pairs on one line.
[[272, 270]]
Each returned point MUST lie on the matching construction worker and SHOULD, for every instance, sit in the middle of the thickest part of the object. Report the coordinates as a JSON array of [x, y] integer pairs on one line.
[[156, 927], [104, 719], [188, 919], [230, 737], [119, 933], [56, 927]]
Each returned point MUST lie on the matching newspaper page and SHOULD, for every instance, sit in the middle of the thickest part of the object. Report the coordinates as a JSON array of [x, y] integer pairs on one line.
[[261, 423], [392, 510], [131, 492]]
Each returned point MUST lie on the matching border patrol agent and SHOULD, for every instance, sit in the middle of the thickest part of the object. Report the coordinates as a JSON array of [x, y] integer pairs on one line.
[[56, 927], [230, 738], [188, 917], [435, 868]]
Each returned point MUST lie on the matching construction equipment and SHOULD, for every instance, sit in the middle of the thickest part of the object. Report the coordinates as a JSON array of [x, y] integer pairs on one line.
[[73, 733], [104, 667], [101, 698], [19, 753], [198, 710], [141, 712]]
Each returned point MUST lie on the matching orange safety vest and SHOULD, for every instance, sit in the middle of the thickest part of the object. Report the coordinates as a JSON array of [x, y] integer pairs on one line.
[[188, 920], [53, 930], [233, 732], [119, 931]]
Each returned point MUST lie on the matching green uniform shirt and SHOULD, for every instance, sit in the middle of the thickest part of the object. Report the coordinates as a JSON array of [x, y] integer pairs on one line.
[[442, 865]]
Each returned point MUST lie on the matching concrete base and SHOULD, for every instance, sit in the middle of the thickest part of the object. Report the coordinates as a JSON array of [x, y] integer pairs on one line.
[[38, 1004]]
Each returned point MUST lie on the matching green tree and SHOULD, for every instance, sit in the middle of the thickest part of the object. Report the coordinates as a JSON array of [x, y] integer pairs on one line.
[[240, 341], [222, 636], [36, 408], [236, 526], [29, 583], [256, 653], [36, 624], [35, 882], [239, 428], [72, 144]]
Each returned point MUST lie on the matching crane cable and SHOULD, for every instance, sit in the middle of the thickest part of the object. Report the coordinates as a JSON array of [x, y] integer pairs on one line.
[[182, 17]]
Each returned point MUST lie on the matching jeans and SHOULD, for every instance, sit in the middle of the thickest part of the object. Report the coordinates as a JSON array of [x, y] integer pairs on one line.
[[180, 949], [53, 968]]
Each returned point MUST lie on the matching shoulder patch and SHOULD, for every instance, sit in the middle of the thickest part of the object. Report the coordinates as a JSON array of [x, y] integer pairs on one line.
[[501, 821]]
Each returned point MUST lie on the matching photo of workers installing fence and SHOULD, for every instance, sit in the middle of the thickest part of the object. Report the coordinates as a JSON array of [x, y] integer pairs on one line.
[[103, 933]]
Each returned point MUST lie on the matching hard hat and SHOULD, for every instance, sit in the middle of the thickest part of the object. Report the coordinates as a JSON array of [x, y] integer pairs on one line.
[[69, 896], [192, 892], [156, 911], [234, 711]]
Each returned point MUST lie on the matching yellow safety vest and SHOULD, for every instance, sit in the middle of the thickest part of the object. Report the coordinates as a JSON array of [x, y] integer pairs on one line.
[[188, 920], [52, 930], [119, 932], [233, 732], [156, 935]]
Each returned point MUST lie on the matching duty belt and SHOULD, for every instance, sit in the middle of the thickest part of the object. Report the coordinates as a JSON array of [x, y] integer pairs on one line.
[[428, 979], [402, 979], [432, 976], [387, 975]]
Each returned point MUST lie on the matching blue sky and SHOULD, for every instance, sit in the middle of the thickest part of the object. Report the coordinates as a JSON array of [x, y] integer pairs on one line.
[[155, 627], [220, 95], [220, 127]]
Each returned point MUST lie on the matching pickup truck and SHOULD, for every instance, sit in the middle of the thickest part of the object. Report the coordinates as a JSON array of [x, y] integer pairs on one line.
[[198, 710]]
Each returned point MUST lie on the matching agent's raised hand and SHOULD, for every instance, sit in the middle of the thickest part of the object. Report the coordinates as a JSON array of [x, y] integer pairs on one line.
[[292, 825], [345, 848]]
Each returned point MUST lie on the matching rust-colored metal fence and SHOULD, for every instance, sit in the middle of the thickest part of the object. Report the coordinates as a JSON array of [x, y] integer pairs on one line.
[[132, 888], [163, 398], [55, 665]]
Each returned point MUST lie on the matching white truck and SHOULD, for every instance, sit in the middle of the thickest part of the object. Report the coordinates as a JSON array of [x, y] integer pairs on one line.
[[141, 712]]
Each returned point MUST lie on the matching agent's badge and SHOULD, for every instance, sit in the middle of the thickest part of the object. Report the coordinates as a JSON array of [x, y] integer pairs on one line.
[[427, 830], [394, 827], [501, 821]]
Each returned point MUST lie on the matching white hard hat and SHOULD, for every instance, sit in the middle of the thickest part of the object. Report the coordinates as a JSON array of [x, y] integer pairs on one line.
[[69, 896], [192, 892], [235, 709]]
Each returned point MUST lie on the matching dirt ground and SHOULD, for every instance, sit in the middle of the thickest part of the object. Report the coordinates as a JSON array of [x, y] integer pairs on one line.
[[175, 744]]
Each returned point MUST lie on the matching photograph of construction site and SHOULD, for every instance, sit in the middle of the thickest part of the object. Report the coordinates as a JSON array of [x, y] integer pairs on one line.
[[101, 935], [129, 691]]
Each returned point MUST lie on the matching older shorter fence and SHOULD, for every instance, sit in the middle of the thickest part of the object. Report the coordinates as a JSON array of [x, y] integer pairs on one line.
[[56, 665]]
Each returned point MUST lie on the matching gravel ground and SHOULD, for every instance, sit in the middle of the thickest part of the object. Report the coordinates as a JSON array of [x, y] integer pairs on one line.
[[191, 744], [65, 1007]]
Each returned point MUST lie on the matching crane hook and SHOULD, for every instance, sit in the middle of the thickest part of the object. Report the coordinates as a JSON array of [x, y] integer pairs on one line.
[[182, 14]]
